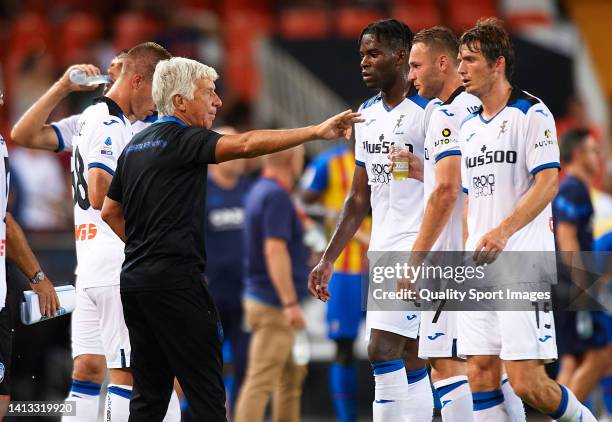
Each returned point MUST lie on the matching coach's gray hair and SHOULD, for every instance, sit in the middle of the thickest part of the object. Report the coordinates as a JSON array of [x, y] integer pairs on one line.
[[177, 76]]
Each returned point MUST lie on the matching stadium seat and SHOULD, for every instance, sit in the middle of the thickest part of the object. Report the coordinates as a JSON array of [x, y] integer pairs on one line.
[[521, 14], [77, 32], [464, 14], [132, 28], [29, 31], [304, 23], [351, 20], [417, 14]]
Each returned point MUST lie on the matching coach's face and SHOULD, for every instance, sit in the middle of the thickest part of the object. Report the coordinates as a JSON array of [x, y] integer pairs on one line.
[[379, 64], [425, 73], [202, 109], [477, 74]]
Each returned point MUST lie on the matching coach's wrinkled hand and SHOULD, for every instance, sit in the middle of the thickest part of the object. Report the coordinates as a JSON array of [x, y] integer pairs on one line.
[[89, 69], [489, 246], [338, 126], [47, 297], [318, 280], [415, 164]]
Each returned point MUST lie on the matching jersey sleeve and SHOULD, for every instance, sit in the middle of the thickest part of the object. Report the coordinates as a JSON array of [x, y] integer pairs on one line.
[[277, 216], [197, 145], [115, 190], [105, 144], [444, 131], [315, 176], [542, 148], [65, 129], [464, 176], [570, 206], [360, 154]]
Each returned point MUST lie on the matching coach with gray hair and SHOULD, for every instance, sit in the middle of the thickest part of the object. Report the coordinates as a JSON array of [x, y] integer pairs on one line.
[[156, 204]]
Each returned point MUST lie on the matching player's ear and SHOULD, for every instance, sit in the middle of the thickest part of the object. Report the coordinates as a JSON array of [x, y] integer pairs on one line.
[[443, 62], [500, 64], [402, 56], [137, 80]]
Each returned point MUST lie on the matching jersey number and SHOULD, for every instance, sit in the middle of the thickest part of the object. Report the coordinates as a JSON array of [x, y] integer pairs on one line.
[[79, 184]]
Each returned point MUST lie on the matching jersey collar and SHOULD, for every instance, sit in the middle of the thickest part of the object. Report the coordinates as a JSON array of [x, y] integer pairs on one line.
[[171, 119], [113, 107], [454, 95], [514, 95]]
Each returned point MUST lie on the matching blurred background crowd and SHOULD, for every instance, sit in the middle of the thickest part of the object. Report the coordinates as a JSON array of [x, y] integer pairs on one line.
[[282, 63]]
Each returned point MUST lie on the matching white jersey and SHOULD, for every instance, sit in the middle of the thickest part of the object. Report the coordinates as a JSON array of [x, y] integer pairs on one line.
[[500, 158], [66, 129], [441, 141], [103, 132], [397, 206], [4, 190]]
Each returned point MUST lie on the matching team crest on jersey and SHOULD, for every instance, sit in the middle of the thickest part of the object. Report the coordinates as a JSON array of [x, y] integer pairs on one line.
[[107, 148], [502, 128], [398, 124]]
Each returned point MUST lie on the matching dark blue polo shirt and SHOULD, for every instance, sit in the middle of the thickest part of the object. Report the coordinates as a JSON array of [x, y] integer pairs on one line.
[[270, 213]]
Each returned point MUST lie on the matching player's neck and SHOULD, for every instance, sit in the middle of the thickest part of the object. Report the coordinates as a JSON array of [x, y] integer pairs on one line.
[[224, 180], [496, 99], [396, 93], [122, 101], [451, 84]]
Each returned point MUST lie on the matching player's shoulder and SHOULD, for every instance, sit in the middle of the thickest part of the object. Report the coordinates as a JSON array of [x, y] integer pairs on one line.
[[525, 102], [104, 112], [370, 102], [418, 101]]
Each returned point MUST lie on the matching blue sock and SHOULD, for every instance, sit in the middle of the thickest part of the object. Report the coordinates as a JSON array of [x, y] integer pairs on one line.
[[343, 388], [606, 392]]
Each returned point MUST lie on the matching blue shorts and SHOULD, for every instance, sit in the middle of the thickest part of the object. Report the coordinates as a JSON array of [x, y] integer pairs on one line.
[[570, 342], [344, 311]]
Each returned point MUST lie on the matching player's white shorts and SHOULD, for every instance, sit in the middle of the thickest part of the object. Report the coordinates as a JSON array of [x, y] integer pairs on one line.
[[404, 323], [511, 335], [438, 339], [98, 326]]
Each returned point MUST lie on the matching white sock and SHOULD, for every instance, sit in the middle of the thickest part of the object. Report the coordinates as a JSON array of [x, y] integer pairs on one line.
[[571, 410], [118, 403], [390, 390], [513, 403], [174, 409], [489, 406], [456, 399], [86, 398], [419, 404]]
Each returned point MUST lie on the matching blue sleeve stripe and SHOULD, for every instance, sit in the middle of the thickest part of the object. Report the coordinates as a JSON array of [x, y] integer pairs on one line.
[[553, 164], [465, 190], [101, 166], [360, 163], [60, 139], [447, 154]]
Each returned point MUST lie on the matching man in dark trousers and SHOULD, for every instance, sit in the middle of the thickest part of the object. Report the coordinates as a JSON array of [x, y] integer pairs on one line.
[[156, 203]]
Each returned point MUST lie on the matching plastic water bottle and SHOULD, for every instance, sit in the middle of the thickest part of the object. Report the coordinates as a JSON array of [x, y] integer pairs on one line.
[[79, 77], [401, 164], [301, 348]]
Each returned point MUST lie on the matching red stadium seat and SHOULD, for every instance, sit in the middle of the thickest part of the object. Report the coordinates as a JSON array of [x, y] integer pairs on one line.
[[464, 14], [133, 28], [304, 23], [29, 31], [77, 32], [351, 20], [417, 14]]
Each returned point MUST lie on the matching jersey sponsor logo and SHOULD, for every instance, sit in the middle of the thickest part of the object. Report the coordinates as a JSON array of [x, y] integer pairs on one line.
[[472, 109], [226, 218], [110, 122], [502, 128], [435, 336], [426, 154], [107, 148], [85, 231], [548, 140], [411, 317], [380, 173], [545, 338], [488, 157], [448, 113], [382, 147], [445, 138], [483, 185]]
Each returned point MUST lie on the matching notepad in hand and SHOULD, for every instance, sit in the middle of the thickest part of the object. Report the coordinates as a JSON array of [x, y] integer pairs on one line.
[[30, 307]]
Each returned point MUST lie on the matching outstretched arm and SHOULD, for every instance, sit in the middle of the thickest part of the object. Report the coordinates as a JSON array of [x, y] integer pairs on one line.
[[32, 130], [354, 210]]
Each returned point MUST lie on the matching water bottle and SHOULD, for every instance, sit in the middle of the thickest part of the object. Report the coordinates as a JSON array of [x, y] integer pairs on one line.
[[79, 77], [584, 324], [301, 348], [401, 164]]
